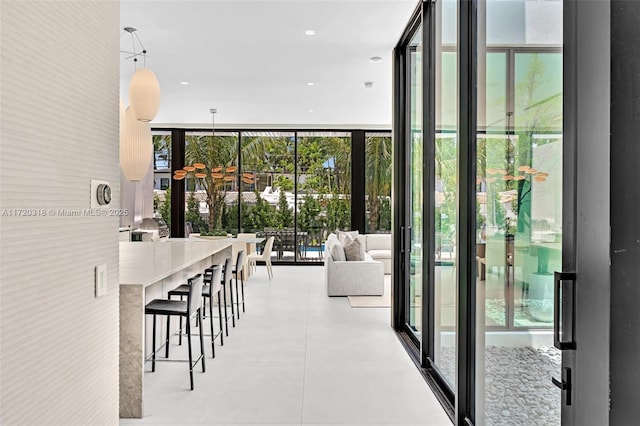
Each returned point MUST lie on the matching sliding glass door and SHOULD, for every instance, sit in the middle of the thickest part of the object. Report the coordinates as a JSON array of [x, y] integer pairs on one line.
[[415, 189]]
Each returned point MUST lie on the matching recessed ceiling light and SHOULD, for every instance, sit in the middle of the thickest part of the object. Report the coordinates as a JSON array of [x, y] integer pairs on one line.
[[184, 83], [375, 59], [310, 110], [310, 32], [311, 83]]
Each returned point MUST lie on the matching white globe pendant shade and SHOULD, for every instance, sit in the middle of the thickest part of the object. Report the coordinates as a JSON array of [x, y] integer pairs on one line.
[[144, 94], [136, 147]]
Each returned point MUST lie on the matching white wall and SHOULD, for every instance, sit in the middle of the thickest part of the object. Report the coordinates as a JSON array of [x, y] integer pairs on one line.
[[59, 110]]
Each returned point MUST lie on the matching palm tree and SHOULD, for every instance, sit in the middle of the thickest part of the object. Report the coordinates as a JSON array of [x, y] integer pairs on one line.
[[378, 175], [217, 154]]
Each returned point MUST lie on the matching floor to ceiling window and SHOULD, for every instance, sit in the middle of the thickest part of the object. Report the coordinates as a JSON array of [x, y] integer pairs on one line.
[[292, 185], [162, 175], [211, 181], [378, 172], [324, 189], [268, 162]]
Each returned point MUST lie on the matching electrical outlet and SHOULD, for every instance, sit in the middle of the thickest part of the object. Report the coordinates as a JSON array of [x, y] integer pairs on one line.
[[101, 280]]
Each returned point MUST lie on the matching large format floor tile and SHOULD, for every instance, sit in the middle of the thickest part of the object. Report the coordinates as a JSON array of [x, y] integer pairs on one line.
[[296, 357]]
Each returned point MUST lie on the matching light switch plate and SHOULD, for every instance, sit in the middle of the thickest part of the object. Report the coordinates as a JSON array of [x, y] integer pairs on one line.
[[101, 280]]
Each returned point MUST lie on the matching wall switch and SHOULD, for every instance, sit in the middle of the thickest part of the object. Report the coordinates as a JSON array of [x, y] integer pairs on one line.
[[101, 280]]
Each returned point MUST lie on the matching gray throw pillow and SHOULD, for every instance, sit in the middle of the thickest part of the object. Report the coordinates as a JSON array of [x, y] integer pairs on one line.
[[354, 250]]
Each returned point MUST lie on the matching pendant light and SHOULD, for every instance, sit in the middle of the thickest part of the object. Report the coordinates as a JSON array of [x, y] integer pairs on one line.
[[144, 89], [136, 147], [144, 94]]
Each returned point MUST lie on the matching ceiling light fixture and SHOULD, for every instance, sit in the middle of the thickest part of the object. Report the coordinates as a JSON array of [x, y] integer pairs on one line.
[[311, 83], [368, 84], [144, 89], [375, 59], [136, 147], [184, 83], [310, 110], [310, 32]]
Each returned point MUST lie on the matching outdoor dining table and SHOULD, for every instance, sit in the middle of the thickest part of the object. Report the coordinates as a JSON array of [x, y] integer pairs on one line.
[[285, 238]]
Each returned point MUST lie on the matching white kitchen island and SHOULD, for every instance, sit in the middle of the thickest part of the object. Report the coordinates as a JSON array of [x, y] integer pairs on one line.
[[148, 270]]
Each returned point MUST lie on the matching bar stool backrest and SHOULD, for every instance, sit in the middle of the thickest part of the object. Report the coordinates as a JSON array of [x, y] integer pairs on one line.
[[240, 261], [227, 273], [195, 294], [216, 278]]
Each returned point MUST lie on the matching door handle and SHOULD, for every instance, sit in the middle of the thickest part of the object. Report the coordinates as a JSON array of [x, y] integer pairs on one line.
[[565, 383], [568, 301]]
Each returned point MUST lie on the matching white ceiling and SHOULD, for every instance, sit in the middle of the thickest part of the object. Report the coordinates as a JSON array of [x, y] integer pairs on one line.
[[252, 61]]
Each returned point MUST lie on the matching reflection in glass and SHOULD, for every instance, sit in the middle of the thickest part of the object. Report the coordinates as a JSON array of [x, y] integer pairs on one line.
[[519, 214]]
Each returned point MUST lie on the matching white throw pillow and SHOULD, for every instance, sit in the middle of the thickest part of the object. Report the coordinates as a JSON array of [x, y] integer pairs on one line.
[[336, 250], [346, 236]]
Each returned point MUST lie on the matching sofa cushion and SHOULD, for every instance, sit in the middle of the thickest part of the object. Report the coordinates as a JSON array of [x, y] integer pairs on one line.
[[354, 250], [335, 249], [378, 242], [380, 254]]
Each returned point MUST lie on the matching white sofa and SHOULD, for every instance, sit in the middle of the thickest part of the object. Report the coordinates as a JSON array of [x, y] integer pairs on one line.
[[378, 246], [352, 278]]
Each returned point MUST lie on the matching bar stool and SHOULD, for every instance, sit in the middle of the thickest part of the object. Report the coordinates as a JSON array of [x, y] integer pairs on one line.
[[189, 309], [226, 282], [239, 270], [212, 275]]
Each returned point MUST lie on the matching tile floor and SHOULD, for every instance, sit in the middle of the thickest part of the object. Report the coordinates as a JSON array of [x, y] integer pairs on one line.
[[297, 357]]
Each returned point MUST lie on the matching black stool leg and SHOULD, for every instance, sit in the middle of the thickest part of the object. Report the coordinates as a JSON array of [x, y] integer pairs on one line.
[[220, 320], [213, 336], [153, 345], [226, 321], [188, 320], [201, 339], [180, 332], [237, 297], [233, 311], [167, 339], [242, 287]]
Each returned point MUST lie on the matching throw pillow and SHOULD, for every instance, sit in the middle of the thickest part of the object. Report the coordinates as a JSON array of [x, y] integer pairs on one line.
[[354, 250], [346, 236], [336, 250]]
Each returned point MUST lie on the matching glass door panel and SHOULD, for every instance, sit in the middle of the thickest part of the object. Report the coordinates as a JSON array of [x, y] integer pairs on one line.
[[446, 203], [518, 215], [415, 190]]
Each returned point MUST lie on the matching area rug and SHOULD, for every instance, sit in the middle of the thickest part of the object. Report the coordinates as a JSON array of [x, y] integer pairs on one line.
[[383, 301]]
